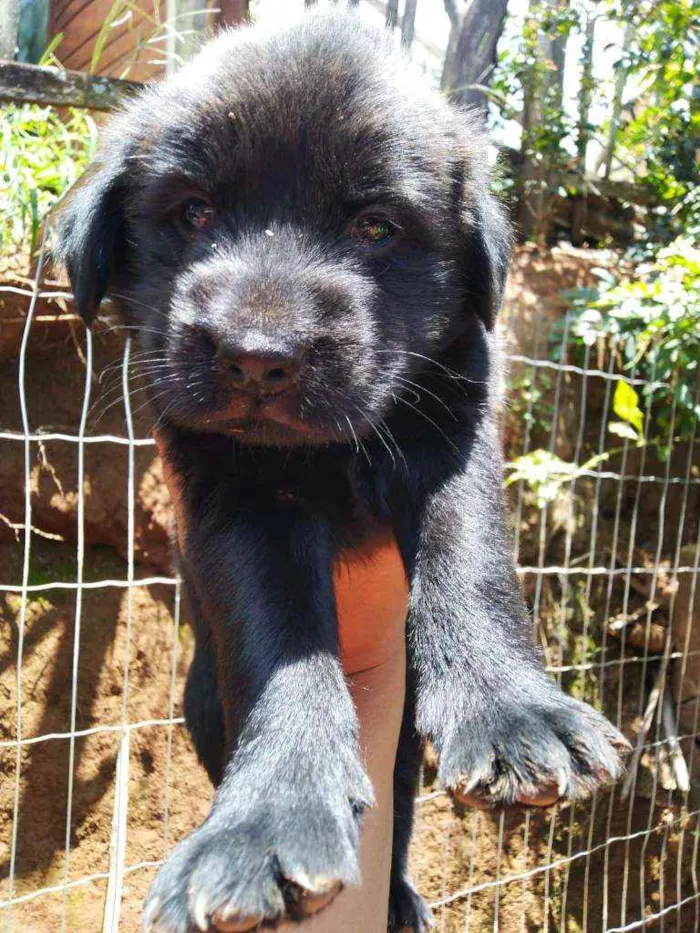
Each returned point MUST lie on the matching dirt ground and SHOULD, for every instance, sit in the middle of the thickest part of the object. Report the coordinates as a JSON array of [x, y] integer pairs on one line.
[[454, 852]]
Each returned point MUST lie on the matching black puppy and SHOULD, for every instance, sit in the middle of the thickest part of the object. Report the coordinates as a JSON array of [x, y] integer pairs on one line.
[[302, 239]]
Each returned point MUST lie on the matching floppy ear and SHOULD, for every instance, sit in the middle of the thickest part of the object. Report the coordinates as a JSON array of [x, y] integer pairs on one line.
[[90, 232], [488, 247]]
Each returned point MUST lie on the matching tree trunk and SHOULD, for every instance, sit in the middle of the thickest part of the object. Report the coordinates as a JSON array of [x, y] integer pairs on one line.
[[392, 13], [543, 89], [408, 23], [620, 82], [583, 130], [585, 96], [475, 28]]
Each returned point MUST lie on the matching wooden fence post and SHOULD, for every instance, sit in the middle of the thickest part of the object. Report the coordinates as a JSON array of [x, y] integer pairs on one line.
[[9, 26]]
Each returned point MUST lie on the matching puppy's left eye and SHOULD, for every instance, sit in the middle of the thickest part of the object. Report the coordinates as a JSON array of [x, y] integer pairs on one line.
[[197, 214], [373, 231]]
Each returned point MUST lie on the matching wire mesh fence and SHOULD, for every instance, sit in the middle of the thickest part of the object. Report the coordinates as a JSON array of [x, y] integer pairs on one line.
[[98, 780]]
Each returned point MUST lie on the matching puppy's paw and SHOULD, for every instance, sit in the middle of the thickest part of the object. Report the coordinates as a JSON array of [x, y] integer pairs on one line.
[[533, 749], [408, 911], [234, 874]]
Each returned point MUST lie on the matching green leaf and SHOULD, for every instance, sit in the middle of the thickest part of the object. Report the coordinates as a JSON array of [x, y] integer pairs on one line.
[[622, 429], [543, 472], [626, 405], [47, 57]]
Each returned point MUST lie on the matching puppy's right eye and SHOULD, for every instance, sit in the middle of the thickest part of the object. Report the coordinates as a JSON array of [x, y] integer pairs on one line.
[[197, 214], [372, 230]]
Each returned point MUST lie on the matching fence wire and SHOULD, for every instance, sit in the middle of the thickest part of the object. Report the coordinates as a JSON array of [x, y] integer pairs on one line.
[[94, 798]]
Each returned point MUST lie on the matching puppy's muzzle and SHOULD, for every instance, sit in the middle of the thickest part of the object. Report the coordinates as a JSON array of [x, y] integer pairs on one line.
[[262, 374]]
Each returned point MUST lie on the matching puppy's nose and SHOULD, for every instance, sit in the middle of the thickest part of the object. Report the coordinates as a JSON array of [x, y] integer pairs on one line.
[[268, 374]]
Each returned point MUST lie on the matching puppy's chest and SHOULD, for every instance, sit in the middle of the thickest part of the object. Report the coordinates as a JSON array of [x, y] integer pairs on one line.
[[350, 508], [347, 501], [326, 487]]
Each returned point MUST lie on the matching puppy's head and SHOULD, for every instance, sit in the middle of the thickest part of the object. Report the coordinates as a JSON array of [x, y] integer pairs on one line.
[[292, 226]]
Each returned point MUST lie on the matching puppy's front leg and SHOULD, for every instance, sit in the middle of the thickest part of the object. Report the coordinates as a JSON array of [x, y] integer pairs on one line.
[[504, 731], [283, 834]]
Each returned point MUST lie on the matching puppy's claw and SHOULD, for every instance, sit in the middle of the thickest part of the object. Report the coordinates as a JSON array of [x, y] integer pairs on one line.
[[546, 750], [201, 914], [226, 921], [539, 797], [621, 744], [408, 912], [563, 783], [308, 894], [312, 901], [476, 785], [151, 915]]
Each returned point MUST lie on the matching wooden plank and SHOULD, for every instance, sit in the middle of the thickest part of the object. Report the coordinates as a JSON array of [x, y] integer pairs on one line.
[[80, 58], [233, 12], [125, 52], [121, 57], [82, 28], [58, 6], [81, 21], [69, 11], [34, 85], [9, 23]]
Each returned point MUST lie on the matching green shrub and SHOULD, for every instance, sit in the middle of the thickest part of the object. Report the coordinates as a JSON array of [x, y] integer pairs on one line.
[[653, 322], [41, 154]]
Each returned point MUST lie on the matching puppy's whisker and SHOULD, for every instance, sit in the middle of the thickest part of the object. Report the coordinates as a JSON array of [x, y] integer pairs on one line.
[[115, 384], [385, 427], [152, 369], [365, 452], [107, 393], [138, 304], [383, 440], [452, 373], [157, 423], [422, 388], [135, 372], [140, 329], [115, 372], [150, 401], [137, 357], [386, 431], [120, 398], [429, 420], [164, 387], [135, 379], [369, 421], [416, 395], [113, 324], [352, 431], [358, 440]]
